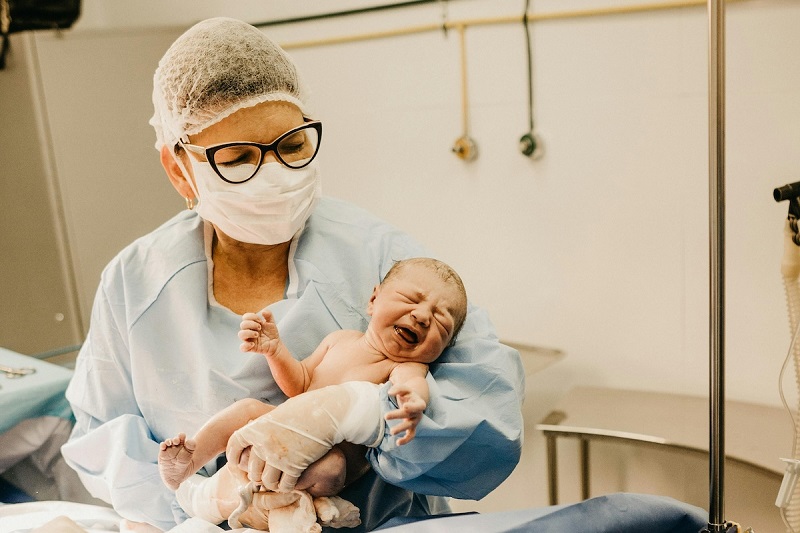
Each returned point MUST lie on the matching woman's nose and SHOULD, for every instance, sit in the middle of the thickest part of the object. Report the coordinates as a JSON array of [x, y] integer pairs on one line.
[[269, 157]]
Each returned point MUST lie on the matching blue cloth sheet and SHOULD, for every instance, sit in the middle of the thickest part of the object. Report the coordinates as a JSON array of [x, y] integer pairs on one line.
[[33, 395], [613, 513]]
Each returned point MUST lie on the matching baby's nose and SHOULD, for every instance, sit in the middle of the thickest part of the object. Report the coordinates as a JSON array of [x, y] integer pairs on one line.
[[422, 316]]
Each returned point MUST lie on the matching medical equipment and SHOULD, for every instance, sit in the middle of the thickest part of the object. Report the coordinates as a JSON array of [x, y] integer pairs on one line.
[[716, 196], [790, 192], [788, 484], [40, 393], [464, 147], [788, 499], [529, 144], [19, 15], [14, 373]]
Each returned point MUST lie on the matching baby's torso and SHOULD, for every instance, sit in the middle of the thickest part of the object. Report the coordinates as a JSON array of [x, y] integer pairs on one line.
[[348, 361]]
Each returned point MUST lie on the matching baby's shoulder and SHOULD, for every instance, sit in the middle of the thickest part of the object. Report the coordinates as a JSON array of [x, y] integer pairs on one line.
[[343, 336]]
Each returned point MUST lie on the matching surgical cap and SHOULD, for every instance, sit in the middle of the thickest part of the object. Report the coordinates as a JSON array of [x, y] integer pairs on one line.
[[215, 68]]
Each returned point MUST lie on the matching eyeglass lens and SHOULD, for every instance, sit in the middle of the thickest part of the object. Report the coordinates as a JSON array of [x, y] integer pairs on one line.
[[239, 162]]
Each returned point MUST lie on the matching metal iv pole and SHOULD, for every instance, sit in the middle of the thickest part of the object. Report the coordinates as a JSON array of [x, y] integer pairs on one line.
[[716, 153]]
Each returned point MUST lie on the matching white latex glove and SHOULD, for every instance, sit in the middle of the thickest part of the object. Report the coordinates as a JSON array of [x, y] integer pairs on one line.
[[334, 511], [211, 498], [299, 517], [285, 441]]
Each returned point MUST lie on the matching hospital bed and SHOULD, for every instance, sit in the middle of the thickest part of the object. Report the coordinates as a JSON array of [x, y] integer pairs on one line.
[[614, 513], [36, 420]]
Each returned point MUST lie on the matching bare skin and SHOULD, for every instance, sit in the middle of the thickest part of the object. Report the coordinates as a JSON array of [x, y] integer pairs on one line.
[[176, 460], [412, 322]]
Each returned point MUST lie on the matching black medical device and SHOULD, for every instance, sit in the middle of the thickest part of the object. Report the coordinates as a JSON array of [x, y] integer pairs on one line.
[[23, 15], [790, 192], [530, 144]]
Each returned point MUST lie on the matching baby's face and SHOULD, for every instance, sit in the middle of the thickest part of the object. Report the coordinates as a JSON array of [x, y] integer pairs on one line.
[[412, 315]]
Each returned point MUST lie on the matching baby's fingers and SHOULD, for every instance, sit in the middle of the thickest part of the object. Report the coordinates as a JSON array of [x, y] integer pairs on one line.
[[414, 405], [252, 317], [405, 425], [405, 439], [247, 346], [248, 338], [250, 325], [247, 334], [396, 389], [397, 414], [266, 316]]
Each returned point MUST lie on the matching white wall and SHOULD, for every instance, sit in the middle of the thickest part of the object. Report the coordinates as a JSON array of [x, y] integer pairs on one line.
[[600, 248]]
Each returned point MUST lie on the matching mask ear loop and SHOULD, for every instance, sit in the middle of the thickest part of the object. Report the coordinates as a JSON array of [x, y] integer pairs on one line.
[[190, 202], [293, 286]]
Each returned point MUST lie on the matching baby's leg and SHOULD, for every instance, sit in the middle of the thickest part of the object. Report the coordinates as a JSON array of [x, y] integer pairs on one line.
[[212, 438], [179, 458]]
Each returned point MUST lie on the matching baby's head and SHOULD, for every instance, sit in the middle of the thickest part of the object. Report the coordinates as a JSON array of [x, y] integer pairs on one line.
[[417, 310]]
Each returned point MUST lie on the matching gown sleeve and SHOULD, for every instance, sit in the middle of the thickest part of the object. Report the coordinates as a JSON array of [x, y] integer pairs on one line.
[[111, 447], [470, 438]]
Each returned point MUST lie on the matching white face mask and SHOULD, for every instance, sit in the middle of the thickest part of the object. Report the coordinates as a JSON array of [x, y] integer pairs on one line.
[[268, 209]]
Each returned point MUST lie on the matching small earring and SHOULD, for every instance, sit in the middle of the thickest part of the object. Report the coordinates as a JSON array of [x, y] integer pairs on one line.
[[190, 203]]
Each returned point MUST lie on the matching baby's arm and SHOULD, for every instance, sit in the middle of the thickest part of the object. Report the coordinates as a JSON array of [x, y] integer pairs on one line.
[[259, 333], [411, 390]]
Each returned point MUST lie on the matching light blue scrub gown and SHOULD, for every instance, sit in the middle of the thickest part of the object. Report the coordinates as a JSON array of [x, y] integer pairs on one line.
[[162, 356]]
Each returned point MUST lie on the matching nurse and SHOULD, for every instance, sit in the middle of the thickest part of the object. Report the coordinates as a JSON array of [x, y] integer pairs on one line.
[[239, 143]]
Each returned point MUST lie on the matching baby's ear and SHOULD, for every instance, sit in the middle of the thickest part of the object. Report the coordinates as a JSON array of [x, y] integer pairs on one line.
[[371, 302]]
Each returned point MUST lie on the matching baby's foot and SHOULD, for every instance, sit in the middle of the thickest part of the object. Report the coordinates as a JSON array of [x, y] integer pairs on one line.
[[175, 460]]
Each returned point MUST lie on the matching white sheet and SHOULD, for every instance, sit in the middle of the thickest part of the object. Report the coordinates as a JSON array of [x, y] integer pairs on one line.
[[23, 517]]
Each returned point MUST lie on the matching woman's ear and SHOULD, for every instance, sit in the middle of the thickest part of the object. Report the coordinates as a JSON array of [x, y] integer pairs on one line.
[[175, 173]]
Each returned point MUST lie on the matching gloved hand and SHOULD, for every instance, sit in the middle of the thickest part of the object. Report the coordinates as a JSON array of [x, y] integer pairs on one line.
[[211, 498], [218, 498], [333, 511], [285, 441]]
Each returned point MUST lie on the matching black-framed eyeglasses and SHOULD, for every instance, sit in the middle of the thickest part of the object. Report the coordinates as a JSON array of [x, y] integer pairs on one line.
[[237, 162]]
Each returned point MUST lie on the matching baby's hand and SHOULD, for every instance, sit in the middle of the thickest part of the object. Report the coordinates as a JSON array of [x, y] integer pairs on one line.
[[259, 333], [410, 409]]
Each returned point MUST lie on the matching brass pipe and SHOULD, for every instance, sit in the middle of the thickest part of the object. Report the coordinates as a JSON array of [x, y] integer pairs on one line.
[[462, 30], [487, 21]]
